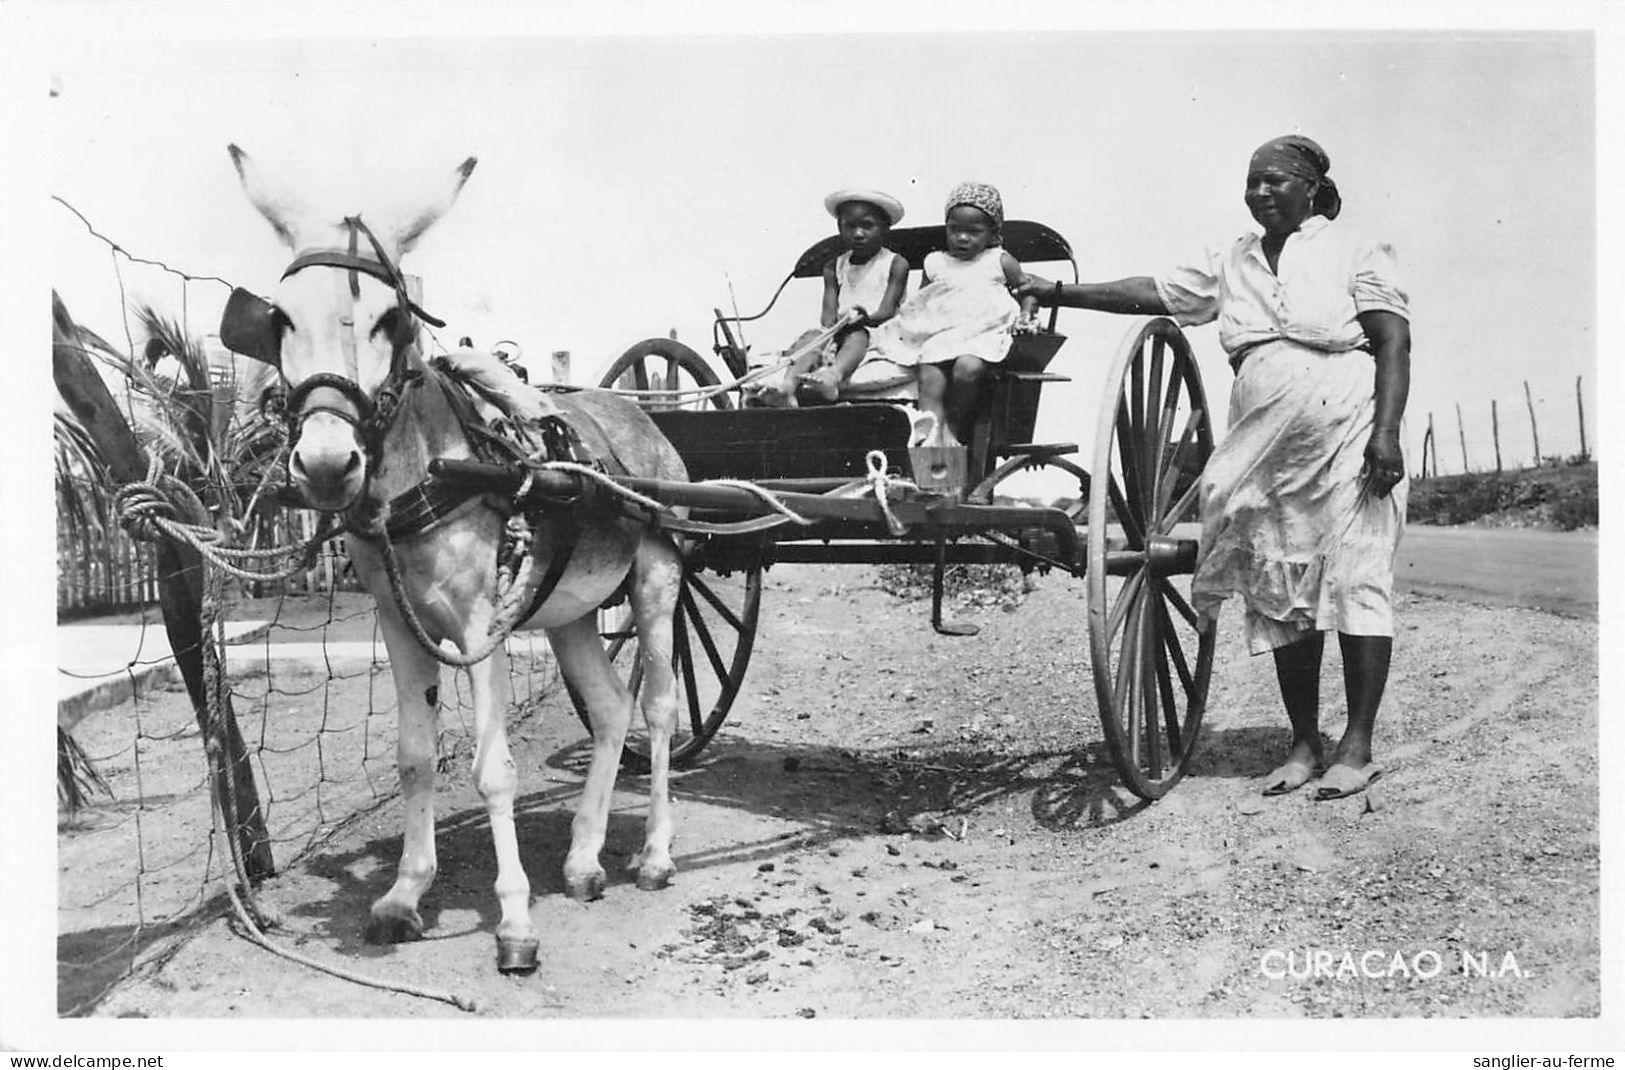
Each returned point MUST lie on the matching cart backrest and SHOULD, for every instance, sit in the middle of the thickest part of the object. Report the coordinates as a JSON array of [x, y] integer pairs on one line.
[[1025, 240]]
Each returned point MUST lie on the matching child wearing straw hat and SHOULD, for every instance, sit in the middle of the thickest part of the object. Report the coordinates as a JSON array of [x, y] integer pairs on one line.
[[862, 289]]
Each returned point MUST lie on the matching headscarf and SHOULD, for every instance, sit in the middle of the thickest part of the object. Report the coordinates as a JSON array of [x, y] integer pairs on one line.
[[1300, 157], [981, 196]]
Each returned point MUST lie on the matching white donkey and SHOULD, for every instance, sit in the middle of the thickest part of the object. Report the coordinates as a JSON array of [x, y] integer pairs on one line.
[[366, 416]]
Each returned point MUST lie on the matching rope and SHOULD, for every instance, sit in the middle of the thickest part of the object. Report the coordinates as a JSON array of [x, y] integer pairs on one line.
[[255, 934], [880, 485], [147, 509], [702, 393]]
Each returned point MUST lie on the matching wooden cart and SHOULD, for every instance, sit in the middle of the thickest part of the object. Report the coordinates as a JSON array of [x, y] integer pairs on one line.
[[1127, 525]]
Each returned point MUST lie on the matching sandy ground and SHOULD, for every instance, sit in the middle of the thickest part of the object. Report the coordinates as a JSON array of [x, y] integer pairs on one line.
[[895, 824]]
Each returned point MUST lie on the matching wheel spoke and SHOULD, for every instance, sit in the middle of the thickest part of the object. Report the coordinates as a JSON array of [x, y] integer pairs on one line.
[[1170, 406], [1148, 691], [1126, 438], [1150, 425], [700, 629], [1128, 678], [1131, 526], [1170, 639], [1179, 603], [683, 655], [1168, 477], [1165, 688], [634, 674], [1125, 599], [1136, 389], [695, 583]]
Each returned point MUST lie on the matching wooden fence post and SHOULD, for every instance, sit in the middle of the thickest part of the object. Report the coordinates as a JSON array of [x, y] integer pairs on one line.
[[1579, 402], [1495, 432], [180, 583], [1461, 430], [1533, 430], [1427, 444]]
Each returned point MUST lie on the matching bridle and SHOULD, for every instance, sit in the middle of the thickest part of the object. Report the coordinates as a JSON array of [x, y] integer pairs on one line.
[[370, 416]]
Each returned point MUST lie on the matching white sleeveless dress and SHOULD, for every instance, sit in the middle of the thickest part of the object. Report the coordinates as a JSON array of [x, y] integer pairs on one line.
[[965, 310]]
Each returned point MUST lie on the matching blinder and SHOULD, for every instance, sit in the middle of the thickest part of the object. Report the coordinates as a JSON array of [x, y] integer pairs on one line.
[[252, 326], [249, 326]]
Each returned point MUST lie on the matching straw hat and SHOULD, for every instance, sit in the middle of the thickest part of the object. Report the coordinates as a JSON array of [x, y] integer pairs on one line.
[[885, 202]]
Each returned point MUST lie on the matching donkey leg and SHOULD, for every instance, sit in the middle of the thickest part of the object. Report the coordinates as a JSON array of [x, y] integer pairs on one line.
[[656, 583], [497, 780], [582, 659], [417, 697]]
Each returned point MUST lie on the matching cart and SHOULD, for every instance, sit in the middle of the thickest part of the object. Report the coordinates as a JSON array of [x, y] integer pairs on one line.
[[838, 484]]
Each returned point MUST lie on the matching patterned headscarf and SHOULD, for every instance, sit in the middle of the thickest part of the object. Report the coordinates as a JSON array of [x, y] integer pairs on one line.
[[981, 196], [1301, 157]]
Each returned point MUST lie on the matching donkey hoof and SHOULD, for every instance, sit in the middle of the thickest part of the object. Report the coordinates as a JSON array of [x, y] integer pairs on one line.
[[652, 880], [394, 928], [585, 889], [517, 956]]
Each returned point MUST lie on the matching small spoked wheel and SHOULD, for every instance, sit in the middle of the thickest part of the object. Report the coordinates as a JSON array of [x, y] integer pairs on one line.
[[1152, 660], [712, 636], [665, 364], [1009, 477]]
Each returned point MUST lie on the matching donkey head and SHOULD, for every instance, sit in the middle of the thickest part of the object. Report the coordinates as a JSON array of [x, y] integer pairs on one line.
[[341, 327]]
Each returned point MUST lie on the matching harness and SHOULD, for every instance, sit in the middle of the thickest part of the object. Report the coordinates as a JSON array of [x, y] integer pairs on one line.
[[431, 500]]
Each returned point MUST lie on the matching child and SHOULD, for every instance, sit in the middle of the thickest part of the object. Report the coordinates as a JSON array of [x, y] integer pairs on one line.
[[963, 316], [863, 285]]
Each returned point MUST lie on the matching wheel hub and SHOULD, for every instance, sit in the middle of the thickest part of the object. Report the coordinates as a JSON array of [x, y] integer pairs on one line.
[[1169, 556]]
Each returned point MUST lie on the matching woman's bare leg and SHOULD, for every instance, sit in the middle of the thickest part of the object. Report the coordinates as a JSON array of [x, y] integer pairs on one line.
[[1365, 677], [1297, 670]]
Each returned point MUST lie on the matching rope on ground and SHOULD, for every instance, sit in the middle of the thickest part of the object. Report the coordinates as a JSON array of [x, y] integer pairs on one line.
[[254, 934]]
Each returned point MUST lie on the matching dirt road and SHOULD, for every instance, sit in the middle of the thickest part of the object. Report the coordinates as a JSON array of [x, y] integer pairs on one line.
[[900, 825], [1555, 571]]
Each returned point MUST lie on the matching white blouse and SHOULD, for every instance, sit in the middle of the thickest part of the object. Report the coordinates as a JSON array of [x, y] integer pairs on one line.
[[1328, 275]]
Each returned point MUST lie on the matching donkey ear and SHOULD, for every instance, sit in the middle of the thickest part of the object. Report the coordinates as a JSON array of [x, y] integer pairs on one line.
[[283, 210], [410, 226]]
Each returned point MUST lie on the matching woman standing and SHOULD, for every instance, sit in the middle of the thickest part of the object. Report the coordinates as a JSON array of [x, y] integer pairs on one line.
[[1303, 502]]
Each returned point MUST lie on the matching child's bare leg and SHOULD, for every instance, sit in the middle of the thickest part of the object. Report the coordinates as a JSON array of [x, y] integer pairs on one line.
[[778, 390], [932, 382], [963, 393], [824, 384]]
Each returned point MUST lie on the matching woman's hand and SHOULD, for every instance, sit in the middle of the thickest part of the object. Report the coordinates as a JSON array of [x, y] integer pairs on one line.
[[1384, 461], [1036, 288]]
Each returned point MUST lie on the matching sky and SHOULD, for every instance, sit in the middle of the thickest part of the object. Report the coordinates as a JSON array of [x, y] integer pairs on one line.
[[627, 186], [630, 182]]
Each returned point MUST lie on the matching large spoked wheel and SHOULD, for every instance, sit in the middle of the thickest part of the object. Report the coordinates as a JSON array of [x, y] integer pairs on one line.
[[712, 636], [1152, 663], [666, 364]]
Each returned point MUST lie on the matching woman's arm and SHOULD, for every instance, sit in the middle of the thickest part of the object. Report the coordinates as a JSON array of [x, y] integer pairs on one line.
[[1390, 336], [1135, 296]]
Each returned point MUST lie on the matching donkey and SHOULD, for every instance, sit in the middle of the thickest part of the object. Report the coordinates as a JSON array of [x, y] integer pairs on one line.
[[366, 416]]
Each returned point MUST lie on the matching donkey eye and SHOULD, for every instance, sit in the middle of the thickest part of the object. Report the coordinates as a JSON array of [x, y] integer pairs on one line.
[[389, 324], [280, 320]]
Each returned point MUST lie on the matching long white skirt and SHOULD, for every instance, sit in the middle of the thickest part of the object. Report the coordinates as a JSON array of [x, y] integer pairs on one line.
[[1287, 521]]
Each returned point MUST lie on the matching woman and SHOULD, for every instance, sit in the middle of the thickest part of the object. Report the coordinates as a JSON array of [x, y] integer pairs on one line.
[[1303, 501]]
